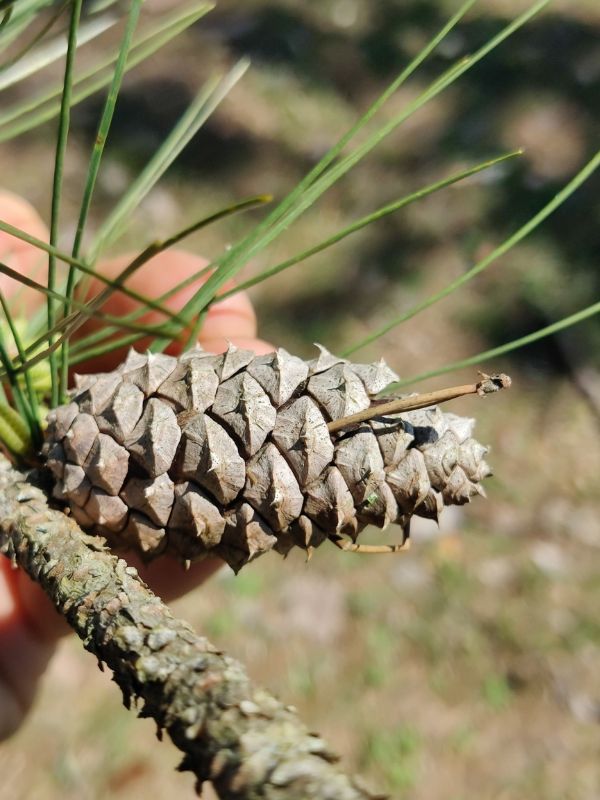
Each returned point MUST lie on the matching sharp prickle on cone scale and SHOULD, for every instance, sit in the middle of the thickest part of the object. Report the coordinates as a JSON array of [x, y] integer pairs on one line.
[[236, 454]]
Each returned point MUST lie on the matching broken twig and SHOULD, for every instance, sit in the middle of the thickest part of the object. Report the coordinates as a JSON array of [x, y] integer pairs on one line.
[[487, 385]]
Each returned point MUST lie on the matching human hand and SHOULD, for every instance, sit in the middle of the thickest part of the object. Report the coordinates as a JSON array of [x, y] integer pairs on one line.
[[29, 625]]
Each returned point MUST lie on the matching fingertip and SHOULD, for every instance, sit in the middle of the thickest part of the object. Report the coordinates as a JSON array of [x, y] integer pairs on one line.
[[219, 344], [20, 213], [169, 579], [17, 254], [231, 318], [156, 277]]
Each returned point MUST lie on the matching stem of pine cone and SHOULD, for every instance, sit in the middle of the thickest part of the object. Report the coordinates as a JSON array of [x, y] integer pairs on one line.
[[233, 734], [487, 385]]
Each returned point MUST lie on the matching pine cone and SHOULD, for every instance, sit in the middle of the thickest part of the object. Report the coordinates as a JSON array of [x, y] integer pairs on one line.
[[230, 455]]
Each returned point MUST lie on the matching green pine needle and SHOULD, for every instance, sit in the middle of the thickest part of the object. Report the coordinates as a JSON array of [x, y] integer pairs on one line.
[[61, 148], [32, 112], [14, 432], [33, 411], [54, 50], [297, 203], [375, 216], [87, 346], [494, 352], [19, 399], [485, 262], [84, 308], [65, 314], [85, 269], [93, 169], [207, 100], [37, 38], [73, 323], [24, 13]]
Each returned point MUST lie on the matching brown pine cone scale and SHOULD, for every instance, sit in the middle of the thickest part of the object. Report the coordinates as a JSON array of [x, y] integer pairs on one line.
[[230, 455]]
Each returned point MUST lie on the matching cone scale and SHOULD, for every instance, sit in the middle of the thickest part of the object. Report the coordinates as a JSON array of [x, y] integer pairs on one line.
[[230, 455]]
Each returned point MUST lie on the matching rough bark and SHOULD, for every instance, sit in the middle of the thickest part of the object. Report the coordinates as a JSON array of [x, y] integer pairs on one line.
[[232, 733]]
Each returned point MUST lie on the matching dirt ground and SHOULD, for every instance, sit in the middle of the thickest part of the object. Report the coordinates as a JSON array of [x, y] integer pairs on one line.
[[467, 667]]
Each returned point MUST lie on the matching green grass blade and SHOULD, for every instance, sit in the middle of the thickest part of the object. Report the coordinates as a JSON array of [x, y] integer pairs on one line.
[[507, 245], [380, 213], [194, 117], [61, 147], [93, 169], [501, 350], [32, 112], [250, 247]]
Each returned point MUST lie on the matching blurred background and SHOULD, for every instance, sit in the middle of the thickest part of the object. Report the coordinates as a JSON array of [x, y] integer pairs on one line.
[[469, 666]]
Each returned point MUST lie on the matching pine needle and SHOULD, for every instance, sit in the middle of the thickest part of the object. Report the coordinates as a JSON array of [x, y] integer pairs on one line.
[[86, 270], [296, 203], [32, 112], [494, 352], [375, 216], [93, 169], [485, 262], [75, 321], [61, 147], [33, 411]]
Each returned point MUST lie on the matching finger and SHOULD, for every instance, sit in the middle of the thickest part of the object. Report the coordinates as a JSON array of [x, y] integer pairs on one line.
[[231, 320], [27, 645], [19, 255], [218, 344], [29, 624], [169, 579]]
